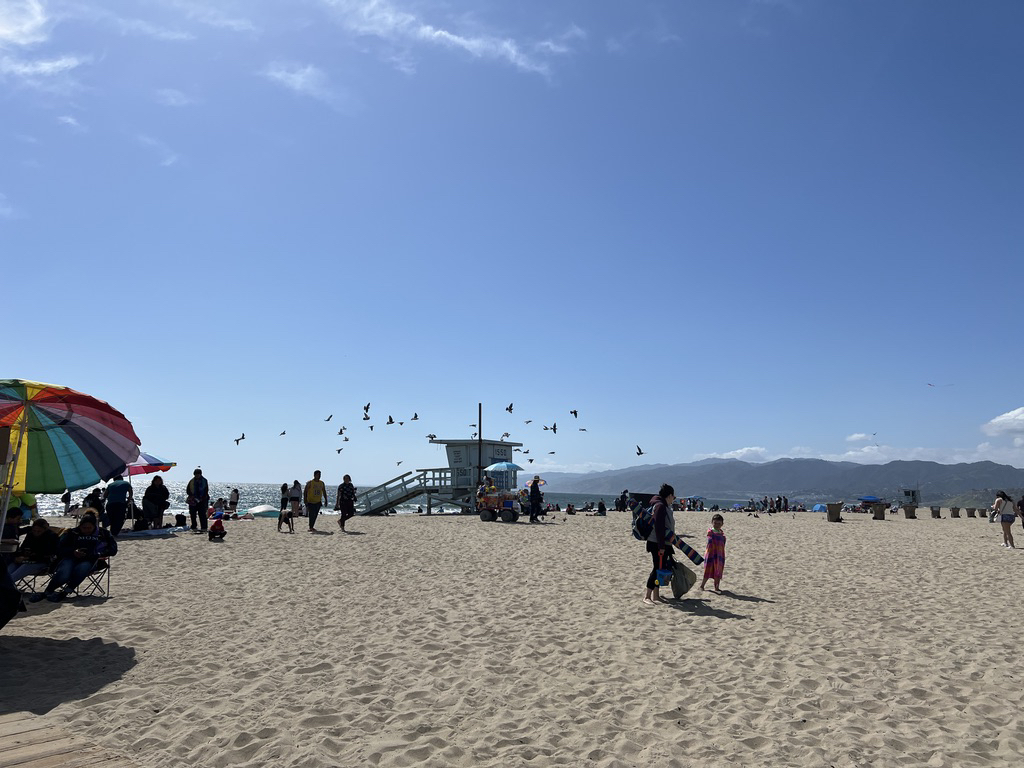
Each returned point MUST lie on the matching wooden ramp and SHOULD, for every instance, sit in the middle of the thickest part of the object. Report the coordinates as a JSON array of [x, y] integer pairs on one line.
[[32, 741]]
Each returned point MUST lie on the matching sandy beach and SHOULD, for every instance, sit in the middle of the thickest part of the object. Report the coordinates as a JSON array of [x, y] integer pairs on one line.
[[451, 642]]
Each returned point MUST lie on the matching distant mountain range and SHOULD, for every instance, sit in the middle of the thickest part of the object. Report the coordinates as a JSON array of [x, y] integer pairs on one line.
[[800, 479]]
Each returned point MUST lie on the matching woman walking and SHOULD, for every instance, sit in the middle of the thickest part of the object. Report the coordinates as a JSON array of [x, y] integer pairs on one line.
[[657, 541], [1003, 510], [345, 502]]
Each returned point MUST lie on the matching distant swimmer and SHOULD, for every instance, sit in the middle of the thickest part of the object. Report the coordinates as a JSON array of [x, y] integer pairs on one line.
[[329, 417], [575, 414], [509, 409], [282, 433], [638, 451], [415, 417], [240, 439]]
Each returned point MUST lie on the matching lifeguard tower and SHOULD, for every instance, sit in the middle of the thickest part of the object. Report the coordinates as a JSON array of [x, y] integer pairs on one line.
[[453, 485]]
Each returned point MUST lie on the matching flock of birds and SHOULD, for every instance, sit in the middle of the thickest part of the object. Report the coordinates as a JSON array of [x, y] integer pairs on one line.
[[553, 428]]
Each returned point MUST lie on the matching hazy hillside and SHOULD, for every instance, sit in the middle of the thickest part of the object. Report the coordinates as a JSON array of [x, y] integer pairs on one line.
[[800, 479]]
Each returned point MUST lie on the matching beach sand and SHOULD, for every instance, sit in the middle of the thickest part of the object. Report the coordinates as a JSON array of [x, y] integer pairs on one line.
[[450, 642]]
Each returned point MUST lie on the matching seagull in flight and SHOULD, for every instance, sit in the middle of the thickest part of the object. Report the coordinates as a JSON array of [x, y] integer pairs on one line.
[[504, 435], [401, 423], [551, 453], [530, 461], [553, 427], [431, 436], [366, 408], [398, 463], [638, 451], [344, 440], [329, 417], [371, 427], [473, 436], [340, 450], [575, 413], [509, 409], [282, 433], [583, 429], [390, 420], [526, 451], [240, 439], [342, 430], [527, 421], [366, 417], [415, 417]]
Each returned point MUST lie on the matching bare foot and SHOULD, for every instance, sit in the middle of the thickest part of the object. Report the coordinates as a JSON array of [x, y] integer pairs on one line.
[[662, 599], [648, 601]]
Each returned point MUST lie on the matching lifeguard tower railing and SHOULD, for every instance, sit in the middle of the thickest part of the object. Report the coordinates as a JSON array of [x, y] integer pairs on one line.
[[398, 490]]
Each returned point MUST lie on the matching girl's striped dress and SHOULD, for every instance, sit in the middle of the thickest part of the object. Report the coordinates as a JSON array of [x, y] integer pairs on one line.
[[714, 555]]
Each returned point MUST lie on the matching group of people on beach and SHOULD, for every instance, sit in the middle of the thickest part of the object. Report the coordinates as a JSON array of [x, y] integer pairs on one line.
[[309, 499]]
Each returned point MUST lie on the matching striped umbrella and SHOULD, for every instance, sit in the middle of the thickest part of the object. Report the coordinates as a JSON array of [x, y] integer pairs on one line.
[[58, 438], [147, 463]]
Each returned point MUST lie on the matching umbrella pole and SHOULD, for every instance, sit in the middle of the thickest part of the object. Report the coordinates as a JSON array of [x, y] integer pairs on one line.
[[13, 467]]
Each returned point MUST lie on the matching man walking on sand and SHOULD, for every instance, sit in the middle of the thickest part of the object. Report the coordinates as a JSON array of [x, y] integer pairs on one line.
[[315, 495]]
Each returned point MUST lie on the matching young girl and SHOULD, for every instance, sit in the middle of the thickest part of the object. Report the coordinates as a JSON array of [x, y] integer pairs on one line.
[[714, 555]]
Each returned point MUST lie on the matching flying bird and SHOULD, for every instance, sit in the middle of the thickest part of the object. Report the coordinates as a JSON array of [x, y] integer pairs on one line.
[[366, 408], [517, 450], [240, 439], [342, 430], [473, 436], [371, 427], [575, 413], [504, 435], [431, 436], [329, 417], [530, 460], [344, 440], [553, 428], [472, 425], [527, 421], [398, 463], [366, 417], [340, 450], [509, 409], [526, 451], [551, 453], [583, 429], [415, 417], [401, 423], [638, 451], [282, 433], [390, 420]]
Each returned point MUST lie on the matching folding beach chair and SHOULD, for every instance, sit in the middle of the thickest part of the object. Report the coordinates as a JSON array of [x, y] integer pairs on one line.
[[97, 583]]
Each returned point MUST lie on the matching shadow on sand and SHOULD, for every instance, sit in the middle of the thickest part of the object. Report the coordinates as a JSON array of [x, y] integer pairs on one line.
[[698, 607], [88, 666], [745, 598]]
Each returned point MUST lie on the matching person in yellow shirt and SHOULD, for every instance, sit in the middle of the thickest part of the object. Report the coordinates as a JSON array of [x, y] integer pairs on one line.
[[315, 496]]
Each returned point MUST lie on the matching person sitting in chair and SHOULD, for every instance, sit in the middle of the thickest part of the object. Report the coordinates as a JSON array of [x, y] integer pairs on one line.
[[36, 552], [79, 552]]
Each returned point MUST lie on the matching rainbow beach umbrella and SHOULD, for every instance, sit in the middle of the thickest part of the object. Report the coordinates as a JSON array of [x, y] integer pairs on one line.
[[148, 463], [53, 437]]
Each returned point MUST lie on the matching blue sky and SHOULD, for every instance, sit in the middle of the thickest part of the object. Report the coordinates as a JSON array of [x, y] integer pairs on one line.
[[753, 228]]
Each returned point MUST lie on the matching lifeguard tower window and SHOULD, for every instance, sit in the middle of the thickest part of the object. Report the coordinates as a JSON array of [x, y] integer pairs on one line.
[[911, 496]]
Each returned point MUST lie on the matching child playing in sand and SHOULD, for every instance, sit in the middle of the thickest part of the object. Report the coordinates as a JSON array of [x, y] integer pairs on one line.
[[714, 555], [217, 528]]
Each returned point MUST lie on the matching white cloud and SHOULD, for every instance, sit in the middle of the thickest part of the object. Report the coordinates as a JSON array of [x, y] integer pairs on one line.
[[380, 18], [857, 437], [211, 17], [171, 97], [71, 122], [1009, 423], [559, 46], [754, 454], [306, 80], [168, 157], [29, 70], [140, 27], [23, 22]]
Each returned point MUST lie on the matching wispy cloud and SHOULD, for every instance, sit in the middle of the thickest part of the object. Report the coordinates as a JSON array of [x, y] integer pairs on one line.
[[753, 453], [147, 29], [39, 68], [562, 44], [71, 122], [209, 16], [382, 19], [857, 437], [171, 97], [23, 22], [168, 156], [303, 79]]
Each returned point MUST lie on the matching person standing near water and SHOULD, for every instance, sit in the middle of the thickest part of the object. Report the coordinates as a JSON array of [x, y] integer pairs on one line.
[[345, 502], [198, 496], [315, 496]]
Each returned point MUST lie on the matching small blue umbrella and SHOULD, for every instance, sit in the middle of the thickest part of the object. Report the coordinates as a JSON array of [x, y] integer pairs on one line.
[[504, 466], [819, 508]]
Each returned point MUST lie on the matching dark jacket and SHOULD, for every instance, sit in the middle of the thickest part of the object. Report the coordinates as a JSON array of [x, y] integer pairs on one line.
[[158, 496], [663, 521], [41, 548], [97, 544]]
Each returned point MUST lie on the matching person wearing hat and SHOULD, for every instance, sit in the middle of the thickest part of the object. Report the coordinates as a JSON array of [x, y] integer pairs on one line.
[[536, 499]]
